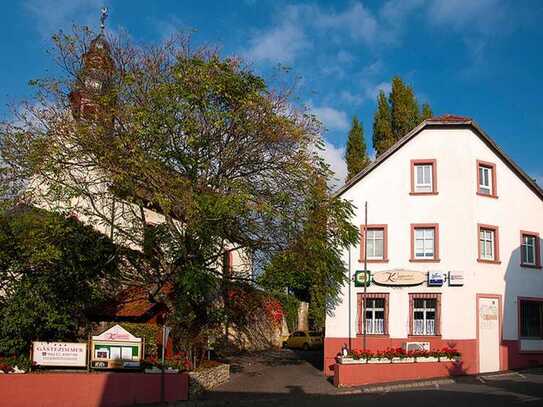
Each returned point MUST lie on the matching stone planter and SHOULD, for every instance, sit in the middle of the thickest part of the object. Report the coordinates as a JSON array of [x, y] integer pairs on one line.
[[206, 379]]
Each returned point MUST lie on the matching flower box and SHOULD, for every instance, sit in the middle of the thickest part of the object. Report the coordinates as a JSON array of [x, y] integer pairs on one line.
[[404, 360], [426, 359]]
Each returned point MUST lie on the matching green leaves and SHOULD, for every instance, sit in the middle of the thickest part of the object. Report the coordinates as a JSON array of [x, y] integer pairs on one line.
[[54, 271], [356, 153], [397, 116]]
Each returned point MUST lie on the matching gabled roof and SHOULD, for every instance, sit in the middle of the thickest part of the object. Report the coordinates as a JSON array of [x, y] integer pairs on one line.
[[446, 121]]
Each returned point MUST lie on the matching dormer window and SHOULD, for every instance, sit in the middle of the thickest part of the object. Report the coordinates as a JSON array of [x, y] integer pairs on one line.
[[423, 177], [486, 179]]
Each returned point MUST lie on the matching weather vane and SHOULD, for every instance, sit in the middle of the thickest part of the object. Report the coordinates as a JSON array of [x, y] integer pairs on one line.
[[103, 17]]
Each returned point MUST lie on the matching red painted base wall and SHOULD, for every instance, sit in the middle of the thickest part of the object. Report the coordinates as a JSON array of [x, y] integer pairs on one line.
[[362, 374], [467, 348], [515, 359], [510, 355], [89, 390]]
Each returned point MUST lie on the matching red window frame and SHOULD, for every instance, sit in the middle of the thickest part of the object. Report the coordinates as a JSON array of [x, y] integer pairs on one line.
[[434, 226], [537, 264], [496, 230], [425, 296], [384, 227], [492, 166], [431, 162], [362, 316]]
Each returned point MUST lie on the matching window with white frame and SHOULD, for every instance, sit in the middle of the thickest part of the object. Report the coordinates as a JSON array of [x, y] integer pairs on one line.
[[424, 316], [375, 243], [424, 243], [487, 242], [424, 177], [375, 316], [529, 250], [485, 180]]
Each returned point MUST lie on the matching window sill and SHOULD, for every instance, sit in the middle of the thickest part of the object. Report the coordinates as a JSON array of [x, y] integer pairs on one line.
[[531, 266], [377, 336], [423, 193], [374, 261], [489, 261], [494, 196], [424, 336], [424, 260]]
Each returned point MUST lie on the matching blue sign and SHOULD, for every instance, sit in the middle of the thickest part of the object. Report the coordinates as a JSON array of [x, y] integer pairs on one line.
[[436, 278]]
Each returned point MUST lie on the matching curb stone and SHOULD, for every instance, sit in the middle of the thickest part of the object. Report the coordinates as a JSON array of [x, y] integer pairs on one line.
[[401, 386]]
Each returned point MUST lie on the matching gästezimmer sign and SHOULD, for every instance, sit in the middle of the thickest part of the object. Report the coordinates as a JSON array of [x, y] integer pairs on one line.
[[67, 354]]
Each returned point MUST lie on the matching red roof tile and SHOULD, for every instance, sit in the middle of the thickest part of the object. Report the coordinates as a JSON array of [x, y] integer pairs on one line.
[[451, 118]]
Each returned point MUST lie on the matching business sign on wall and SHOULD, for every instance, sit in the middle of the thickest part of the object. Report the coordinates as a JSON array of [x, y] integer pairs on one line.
[[436, 278], [362, 278], [66, 354], [456, 278], [399, 277]]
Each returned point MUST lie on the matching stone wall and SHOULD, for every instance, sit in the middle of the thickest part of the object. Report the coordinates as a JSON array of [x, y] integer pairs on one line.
[[207, 378]]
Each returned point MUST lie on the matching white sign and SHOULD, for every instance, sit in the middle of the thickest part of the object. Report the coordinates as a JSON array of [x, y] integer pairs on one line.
[[116, 333], [456, 278], [59, 354], [435, 278], [399, 277]]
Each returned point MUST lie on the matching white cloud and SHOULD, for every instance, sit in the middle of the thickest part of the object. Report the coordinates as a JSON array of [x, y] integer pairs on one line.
[[332, 119], [481, 15], [281, 43], [356, 21], [297, 26], [369, 90], [335, 157], [62, 14]]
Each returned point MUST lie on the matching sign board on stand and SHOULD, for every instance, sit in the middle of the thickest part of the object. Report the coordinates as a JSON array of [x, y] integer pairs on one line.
[[60, 354], [116, 348]]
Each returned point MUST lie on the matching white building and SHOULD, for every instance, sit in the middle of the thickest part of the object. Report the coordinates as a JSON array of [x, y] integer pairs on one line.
[[446, 200]]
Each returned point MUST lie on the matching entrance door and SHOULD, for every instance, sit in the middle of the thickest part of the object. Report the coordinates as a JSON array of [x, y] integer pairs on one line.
[[489, 334]]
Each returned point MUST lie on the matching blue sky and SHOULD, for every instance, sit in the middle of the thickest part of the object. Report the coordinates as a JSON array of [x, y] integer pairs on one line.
[[482, 59]]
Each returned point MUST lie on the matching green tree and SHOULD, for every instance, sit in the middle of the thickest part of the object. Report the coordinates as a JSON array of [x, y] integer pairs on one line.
[[383, 138], [403, 107], [199, 139], [356, 153], [426, 112], [397, 116], [311, 266], [54, 272]]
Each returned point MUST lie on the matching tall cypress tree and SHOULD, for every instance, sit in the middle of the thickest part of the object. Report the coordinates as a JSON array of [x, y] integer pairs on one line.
[[426, 112], [404, 108], [382, 127], [356, 155]]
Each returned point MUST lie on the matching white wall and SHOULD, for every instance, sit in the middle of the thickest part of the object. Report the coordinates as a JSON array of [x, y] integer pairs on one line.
[[458, 210]]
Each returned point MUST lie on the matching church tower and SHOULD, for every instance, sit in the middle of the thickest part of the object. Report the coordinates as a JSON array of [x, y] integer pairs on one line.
[[91, 97]]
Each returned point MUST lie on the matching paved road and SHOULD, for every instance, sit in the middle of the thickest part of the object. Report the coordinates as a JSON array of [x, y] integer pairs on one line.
[[288, 378]]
